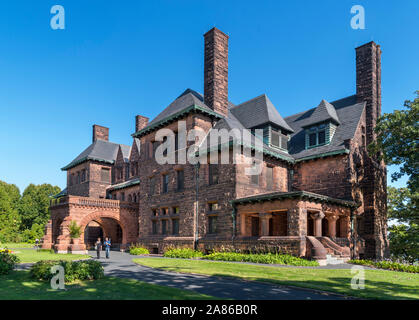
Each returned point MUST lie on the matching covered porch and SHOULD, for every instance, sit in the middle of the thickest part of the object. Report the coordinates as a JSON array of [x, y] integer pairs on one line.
[[277, 217]]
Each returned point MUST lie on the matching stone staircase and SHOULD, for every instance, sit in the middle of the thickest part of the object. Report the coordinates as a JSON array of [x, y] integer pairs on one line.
[[326, 251]]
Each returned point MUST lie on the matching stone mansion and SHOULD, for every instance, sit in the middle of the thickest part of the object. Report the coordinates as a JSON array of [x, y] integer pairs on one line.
[[319, 192]]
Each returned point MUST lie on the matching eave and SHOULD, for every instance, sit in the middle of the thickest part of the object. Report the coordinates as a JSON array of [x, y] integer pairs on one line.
[[180, 114], [304, 195]]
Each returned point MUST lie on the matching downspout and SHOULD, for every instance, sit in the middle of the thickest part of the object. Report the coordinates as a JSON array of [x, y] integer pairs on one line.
[[352, 234], [234, 218], [196, 233]]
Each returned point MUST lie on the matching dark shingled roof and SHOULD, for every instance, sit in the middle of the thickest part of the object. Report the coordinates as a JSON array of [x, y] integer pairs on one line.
[[348, 112], [188, 98], [294, 194], [259, 111], [100, 150], [324, 111]]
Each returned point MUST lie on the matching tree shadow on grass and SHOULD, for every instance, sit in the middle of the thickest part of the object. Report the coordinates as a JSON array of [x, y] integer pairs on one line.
[[19, 285], [373, 289]]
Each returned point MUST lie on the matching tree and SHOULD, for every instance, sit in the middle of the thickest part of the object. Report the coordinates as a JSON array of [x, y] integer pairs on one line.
[[397, 143], [404, 237], [34, 204], [9, 215]]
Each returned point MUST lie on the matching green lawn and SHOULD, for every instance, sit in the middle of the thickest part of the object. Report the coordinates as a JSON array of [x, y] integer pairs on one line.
[[19, 285], [35, 256], [10, 245], [379, 284]]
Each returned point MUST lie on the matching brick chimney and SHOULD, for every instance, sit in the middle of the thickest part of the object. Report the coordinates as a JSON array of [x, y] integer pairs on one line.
[[368, 84], [216, 71], [100, 133], [140, 122], [374, 182]]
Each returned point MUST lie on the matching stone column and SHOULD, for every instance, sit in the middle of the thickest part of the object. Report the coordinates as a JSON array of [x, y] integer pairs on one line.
[[264, 219], [242, 224], [317, 217], [331, 219]]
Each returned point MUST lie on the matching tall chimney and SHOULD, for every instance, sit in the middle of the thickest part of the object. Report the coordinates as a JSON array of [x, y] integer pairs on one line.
[[140, 122], [368, 84], [374, 182], [216, 71], [100, 133]]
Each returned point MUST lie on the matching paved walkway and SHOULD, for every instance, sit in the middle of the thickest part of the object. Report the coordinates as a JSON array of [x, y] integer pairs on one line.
[[120, 265]]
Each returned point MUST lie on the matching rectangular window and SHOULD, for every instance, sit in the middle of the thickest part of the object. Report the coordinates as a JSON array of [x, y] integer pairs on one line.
[[163, 226], [213, 174], [284, 142], [175, 210], [212, 224], [104, 175], [155, 145], [213, 206], [180, 180], [269, 178], [322, 137], [152, 186], [154, 226], [176, 141], [165, 182], [164, 211], [275, 139], [154, 212], [122, 196], [175, 226], [312, 139]]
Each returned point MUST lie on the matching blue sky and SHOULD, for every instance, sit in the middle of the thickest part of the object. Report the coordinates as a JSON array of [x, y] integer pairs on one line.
[[116, 59]]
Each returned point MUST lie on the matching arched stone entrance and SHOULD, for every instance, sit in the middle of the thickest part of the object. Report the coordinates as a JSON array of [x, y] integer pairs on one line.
[[111, 218]]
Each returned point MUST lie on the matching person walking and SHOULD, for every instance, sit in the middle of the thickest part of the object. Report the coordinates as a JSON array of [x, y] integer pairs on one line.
[[107, 247], [98, 246]]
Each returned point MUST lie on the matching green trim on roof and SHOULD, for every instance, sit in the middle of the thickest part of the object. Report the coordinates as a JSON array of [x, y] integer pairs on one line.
[[265, 151], [125, 184], [295, 194], [173, 117], [75, 163], [323, 155]]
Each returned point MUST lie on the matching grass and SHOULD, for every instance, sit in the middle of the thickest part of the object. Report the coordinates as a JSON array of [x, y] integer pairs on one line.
[[27, 256], [19, 285], [379, 284], [11, 245]]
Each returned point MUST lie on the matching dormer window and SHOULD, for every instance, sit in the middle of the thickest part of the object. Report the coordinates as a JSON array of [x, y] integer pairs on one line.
[[279, 140], [319, 135]]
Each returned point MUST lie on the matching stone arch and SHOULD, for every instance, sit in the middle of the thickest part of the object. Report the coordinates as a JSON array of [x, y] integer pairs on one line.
[[98, 216]]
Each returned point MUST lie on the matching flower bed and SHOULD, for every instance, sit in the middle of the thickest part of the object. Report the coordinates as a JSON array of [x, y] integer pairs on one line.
[[138, 251], [388, 265], [183, 253], [268, 258]]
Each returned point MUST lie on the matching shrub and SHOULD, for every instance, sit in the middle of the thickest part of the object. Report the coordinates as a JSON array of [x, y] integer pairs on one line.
[[73, 270], [267, 258], [74, 229], [138, 251], [8, 261], [185, 253], [388, 265]]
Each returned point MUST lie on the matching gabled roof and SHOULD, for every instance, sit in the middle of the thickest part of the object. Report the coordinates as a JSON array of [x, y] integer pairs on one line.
[[259, 111], [323, 112], [188, 101], [348, 111], [231, 122], [99, 150]]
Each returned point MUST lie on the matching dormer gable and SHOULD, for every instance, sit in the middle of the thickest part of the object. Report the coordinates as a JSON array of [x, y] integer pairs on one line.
[[321, 125]]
